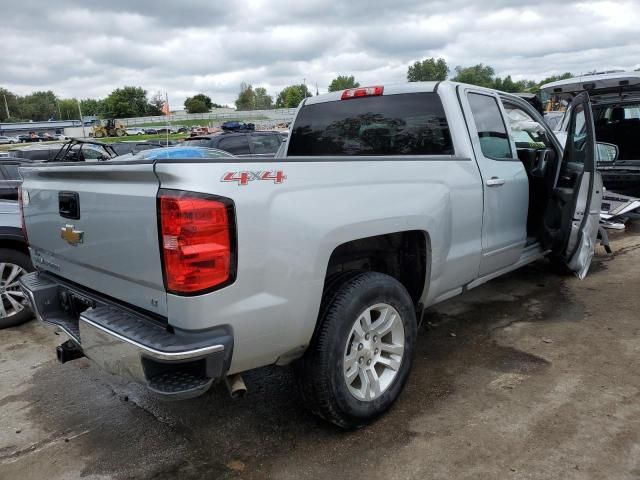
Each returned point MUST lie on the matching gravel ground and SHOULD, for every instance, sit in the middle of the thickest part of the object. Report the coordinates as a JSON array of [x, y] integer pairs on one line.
[[533, 375]]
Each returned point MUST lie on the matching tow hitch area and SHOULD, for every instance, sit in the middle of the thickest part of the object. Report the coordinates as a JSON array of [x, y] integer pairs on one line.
[[68, 351]]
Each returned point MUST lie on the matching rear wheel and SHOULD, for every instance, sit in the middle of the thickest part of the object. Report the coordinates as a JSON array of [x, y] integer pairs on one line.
[[360, 356], [14, 306]]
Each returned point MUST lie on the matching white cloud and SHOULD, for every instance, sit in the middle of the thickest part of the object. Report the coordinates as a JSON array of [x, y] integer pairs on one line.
[[87, 48]]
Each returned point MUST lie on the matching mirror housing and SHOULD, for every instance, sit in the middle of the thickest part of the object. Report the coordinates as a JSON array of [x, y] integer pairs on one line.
[[607, 152]]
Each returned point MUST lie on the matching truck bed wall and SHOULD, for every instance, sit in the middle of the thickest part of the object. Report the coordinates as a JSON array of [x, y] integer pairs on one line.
[[287, 232]]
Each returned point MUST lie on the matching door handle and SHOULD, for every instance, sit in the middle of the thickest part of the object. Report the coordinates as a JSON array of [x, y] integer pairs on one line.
[[495, 182]]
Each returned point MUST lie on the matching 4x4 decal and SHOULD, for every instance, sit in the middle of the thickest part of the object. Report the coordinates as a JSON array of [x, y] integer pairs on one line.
[[243, 178]]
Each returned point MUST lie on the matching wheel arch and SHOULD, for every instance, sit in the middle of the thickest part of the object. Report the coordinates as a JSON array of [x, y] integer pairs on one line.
[[403, 255], [12, 238]]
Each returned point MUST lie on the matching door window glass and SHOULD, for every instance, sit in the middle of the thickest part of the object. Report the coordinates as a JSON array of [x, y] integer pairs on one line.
[[494, 140], [576, 150]]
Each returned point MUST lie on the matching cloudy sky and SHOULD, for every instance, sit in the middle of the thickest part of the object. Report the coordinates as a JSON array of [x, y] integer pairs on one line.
[[85, 48]]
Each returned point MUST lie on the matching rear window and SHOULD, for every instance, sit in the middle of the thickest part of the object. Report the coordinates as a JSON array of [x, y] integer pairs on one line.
[[405, 124]]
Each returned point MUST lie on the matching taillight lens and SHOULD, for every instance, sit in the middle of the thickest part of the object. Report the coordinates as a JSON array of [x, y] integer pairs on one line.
[[197, 234], [362, 92]]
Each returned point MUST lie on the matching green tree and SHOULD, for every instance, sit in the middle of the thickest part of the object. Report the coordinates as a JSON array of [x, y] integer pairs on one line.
[[506, 84], [68, 109], [91, 106], [204, 99], [126, 102], [429, 69], [199, 103], [246, 98], [263, 101], [155, 105], [195, 105], [291, 96], [12, 105], [481, 75], [342, 82], [38, 106]]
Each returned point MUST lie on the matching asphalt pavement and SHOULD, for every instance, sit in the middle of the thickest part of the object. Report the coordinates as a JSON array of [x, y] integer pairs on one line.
[[531, 376]]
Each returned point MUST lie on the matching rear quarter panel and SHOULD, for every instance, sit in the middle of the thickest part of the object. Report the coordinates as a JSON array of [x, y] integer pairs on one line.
[[286, 233]]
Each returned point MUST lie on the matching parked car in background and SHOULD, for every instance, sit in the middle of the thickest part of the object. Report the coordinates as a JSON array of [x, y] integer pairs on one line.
[[177, 152], [72, 150], [61, 136], [47, 137], [180, 272], [197, 131], [172, 129], [30, 138], [132, 148], [4, 140], [615, 101], [150, 131], [14, 254], [135, 131], [263, 144]]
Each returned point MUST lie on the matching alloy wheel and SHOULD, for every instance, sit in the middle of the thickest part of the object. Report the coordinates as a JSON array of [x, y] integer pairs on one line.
[[12, 298], [374, 352]]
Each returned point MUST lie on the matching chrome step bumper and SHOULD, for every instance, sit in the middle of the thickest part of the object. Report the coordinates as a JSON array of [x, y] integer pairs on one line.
[[126, 343]]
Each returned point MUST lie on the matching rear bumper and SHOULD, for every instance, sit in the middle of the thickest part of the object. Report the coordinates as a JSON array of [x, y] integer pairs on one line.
[[125, 342]]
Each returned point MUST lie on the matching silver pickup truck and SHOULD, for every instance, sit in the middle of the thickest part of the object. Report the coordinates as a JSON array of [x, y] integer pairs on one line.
[[178, 273]]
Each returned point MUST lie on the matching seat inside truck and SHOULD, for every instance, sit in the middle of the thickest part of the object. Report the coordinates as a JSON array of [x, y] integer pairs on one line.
[[539, 157]]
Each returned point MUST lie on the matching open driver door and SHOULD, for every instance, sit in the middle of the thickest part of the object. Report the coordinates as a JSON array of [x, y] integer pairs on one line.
[[571, 222]]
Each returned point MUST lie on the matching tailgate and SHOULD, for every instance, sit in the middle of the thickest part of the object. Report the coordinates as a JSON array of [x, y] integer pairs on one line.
[[110, 244]]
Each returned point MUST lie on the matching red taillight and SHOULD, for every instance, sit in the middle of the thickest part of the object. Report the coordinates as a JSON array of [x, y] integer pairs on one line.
[[22, 223], [197, 235], [362, 92]]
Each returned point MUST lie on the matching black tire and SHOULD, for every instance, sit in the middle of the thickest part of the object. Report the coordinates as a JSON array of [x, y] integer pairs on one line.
[[320, 370], [21, 259]]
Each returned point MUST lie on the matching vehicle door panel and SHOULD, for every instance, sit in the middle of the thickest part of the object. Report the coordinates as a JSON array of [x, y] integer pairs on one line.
[[505, 182], [572, 223]]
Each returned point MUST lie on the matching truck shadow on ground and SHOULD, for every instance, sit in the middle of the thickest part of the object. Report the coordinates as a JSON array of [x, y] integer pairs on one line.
[[125, 432]]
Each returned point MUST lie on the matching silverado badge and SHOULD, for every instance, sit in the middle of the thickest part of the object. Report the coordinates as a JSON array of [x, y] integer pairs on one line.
[[72, 236]]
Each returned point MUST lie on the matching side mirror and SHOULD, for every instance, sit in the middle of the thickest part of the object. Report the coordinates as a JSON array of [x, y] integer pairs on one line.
[[607, 152]]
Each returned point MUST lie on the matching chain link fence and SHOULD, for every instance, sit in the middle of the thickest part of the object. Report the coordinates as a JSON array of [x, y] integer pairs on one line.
[[275, 117]]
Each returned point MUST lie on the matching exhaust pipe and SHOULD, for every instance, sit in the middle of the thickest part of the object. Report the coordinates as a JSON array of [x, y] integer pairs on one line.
[[68, 351], [236, 386]]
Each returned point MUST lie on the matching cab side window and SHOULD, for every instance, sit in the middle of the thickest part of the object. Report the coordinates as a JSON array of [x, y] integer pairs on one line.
[[494, 139]]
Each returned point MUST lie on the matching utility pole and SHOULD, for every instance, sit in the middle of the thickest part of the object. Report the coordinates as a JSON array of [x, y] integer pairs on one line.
[[84, 134], [6, 106], [166, 96]]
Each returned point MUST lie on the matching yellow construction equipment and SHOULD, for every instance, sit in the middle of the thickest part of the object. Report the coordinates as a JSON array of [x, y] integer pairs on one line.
[[108, 128]]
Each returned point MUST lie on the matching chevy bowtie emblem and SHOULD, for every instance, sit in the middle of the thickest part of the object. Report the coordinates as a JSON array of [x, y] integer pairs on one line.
[[73, 237]]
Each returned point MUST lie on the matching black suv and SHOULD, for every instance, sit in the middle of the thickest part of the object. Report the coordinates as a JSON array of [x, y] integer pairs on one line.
[[241, 144]]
